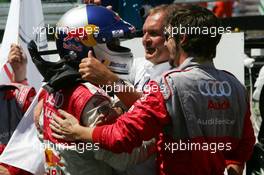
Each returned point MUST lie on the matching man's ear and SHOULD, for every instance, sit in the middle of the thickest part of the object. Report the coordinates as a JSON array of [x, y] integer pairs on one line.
[[183, 39]]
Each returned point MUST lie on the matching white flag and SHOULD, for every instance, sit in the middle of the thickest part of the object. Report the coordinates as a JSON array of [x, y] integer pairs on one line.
[[24, 150], [25, 22], [10, 36]]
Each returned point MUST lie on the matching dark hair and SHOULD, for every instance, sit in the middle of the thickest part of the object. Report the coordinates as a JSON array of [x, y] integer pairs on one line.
[[195, 17]]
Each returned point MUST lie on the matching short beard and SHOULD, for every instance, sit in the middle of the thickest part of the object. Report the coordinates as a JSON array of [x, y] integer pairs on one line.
[[174, 62]]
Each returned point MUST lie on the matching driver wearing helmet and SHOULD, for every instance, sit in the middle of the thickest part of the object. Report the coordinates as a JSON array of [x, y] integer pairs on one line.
[[98, 29]]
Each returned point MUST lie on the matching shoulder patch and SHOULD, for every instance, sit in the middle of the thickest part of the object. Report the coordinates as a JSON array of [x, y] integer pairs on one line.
[[165, 87]]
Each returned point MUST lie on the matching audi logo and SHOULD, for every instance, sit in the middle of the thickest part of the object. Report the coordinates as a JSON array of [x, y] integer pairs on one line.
[[215, 88], [56, 100]]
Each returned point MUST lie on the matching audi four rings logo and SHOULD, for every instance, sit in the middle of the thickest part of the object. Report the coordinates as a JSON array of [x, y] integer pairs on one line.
[[215, 88]]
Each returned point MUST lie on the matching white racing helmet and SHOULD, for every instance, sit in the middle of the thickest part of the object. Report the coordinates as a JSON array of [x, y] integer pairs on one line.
[[91, 27]]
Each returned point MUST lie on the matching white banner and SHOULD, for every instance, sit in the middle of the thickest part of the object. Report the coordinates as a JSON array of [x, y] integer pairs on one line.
[[25, 22], [229, 43], [10, 36], [24, 150]]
